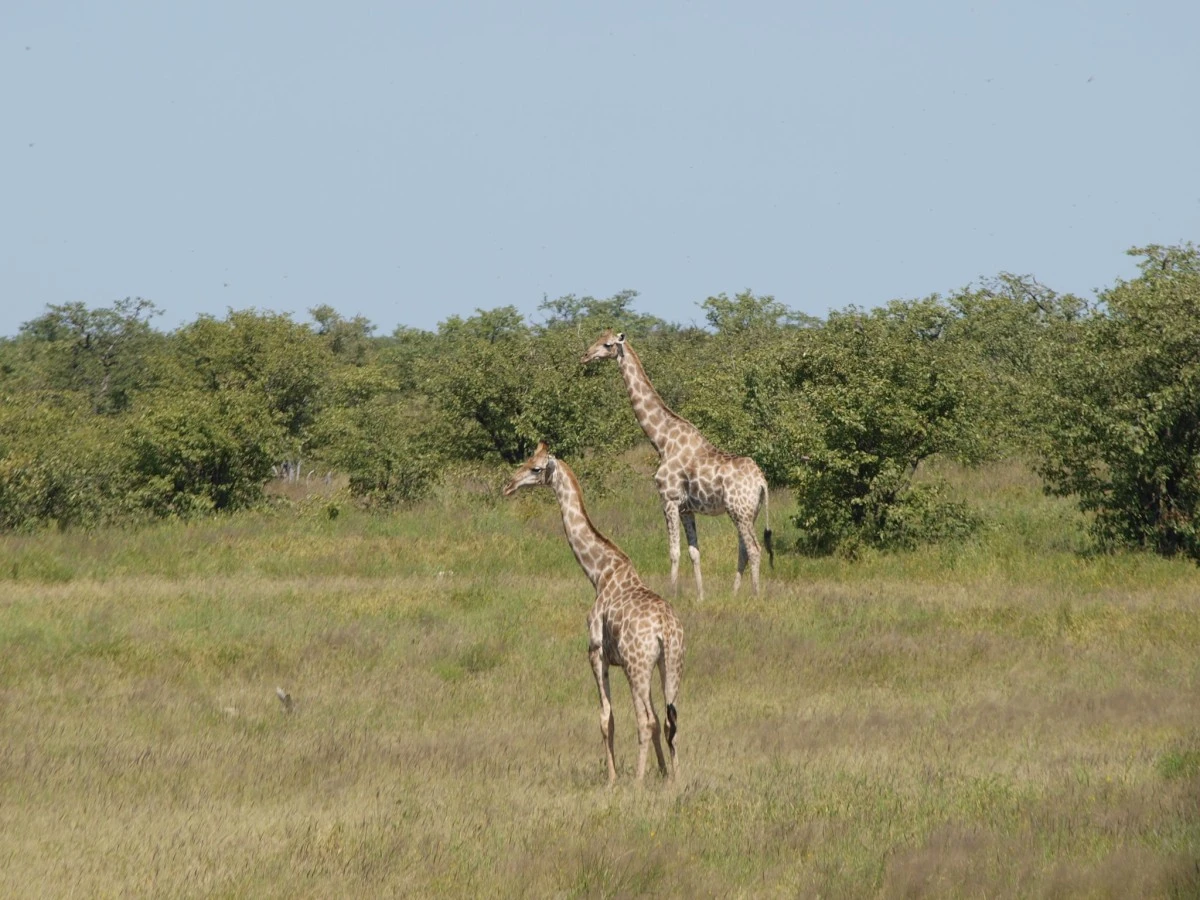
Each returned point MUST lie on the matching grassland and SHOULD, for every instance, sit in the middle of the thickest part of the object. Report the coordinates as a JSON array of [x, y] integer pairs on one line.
[[1005, 717]]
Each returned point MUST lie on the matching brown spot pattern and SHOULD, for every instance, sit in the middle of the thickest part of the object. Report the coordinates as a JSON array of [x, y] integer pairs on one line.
[[629, 626], [693, 476]]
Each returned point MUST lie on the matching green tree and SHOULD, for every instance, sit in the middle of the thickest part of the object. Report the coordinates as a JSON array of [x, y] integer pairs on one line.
[[285, 364], [1123, 404], [384, 447], [60, 465], [349, 340], [588, 314], [879, 392], [479, 379], [104, 354], [1016, 328], [403, 355], [496, 385], [195, 451], [748, 313]]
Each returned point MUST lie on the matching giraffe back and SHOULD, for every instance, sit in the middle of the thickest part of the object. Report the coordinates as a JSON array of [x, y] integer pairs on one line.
[[639, 627], [710, 482]]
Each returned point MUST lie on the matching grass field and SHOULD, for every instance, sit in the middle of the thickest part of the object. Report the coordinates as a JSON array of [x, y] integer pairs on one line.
[[1009, 717]]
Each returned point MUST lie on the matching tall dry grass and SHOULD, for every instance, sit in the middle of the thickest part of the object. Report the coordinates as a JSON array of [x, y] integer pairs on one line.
[[1005, 717]]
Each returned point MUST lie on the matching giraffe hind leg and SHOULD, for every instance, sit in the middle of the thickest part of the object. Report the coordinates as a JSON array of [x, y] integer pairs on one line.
[[741, 564], [655, 732], [607, 722], [671, 514], [647, 722], [748, 551], [671, 669], [693, 539]]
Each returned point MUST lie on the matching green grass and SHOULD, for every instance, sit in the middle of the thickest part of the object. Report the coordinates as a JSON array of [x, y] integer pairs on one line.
[[1005, 717]]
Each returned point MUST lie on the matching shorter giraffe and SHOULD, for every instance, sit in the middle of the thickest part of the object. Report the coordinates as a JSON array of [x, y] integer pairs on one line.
[[693, 476], [629, 626]]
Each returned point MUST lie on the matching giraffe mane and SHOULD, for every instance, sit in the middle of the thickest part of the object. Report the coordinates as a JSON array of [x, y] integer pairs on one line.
[[603, 538], [667, 410]]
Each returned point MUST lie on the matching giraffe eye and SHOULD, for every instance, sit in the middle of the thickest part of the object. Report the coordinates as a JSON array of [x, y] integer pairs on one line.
[[608, 346], [535, 469]]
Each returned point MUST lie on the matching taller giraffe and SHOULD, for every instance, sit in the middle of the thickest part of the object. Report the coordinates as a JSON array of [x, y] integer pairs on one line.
[[693, 476], [629, 626]]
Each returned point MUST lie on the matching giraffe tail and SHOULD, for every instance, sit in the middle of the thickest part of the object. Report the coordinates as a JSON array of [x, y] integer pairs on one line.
[[672, 725], [766, 501]]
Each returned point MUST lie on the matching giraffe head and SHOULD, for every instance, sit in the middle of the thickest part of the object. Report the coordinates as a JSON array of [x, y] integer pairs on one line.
[[535, 470], [607, 346]]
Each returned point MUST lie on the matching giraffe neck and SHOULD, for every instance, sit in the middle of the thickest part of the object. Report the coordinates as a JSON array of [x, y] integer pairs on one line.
[[652, 413], [597, 555]]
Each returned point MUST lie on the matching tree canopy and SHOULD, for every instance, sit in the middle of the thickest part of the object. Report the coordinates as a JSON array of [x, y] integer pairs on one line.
[[103, 418]]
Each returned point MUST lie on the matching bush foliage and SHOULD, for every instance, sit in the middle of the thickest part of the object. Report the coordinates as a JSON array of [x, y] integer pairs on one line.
[[1123, 409], [104, 419]]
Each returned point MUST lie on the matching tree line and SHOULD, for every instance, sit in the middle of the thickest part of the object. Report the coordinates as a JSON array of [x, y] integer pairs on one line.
[[105, 419]]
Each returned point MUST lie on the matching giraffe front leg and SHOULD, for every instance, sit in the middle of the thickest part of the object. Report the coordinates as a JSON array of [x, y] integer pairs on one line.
[[607, 723], [693, 539], [671, 513]]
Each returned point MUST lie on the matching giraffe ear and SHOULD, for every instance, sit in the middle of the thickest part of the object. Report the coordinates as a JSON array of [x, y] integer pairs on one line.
[[621, 338], [550, 465]]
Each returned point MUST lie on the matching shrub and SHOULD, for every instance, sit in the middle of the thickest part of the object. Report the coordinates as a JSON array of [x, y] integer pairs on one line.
[[879, 393], [1123, 409], [59, 465], [380, 444], [193, 452]]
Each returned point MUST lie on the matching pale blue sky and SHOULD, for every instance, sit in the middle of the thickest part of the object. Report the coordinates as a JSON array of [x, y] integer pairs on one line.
[[409, 161]]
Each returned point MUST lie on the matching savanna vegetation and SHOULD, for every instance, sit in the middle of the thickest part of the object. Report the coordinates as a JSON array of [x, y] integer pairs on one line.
[[972, 672]]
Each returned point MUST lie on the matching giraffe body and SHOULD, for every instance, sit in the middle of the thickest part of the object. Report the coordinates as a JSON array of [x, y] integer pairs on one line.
[[629, 626], [693, 476]]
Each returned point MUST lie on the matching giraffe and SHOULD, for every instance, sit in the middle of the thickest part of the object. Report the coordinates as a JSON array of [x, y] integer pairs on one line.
[[693, 476], [629, 625]]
